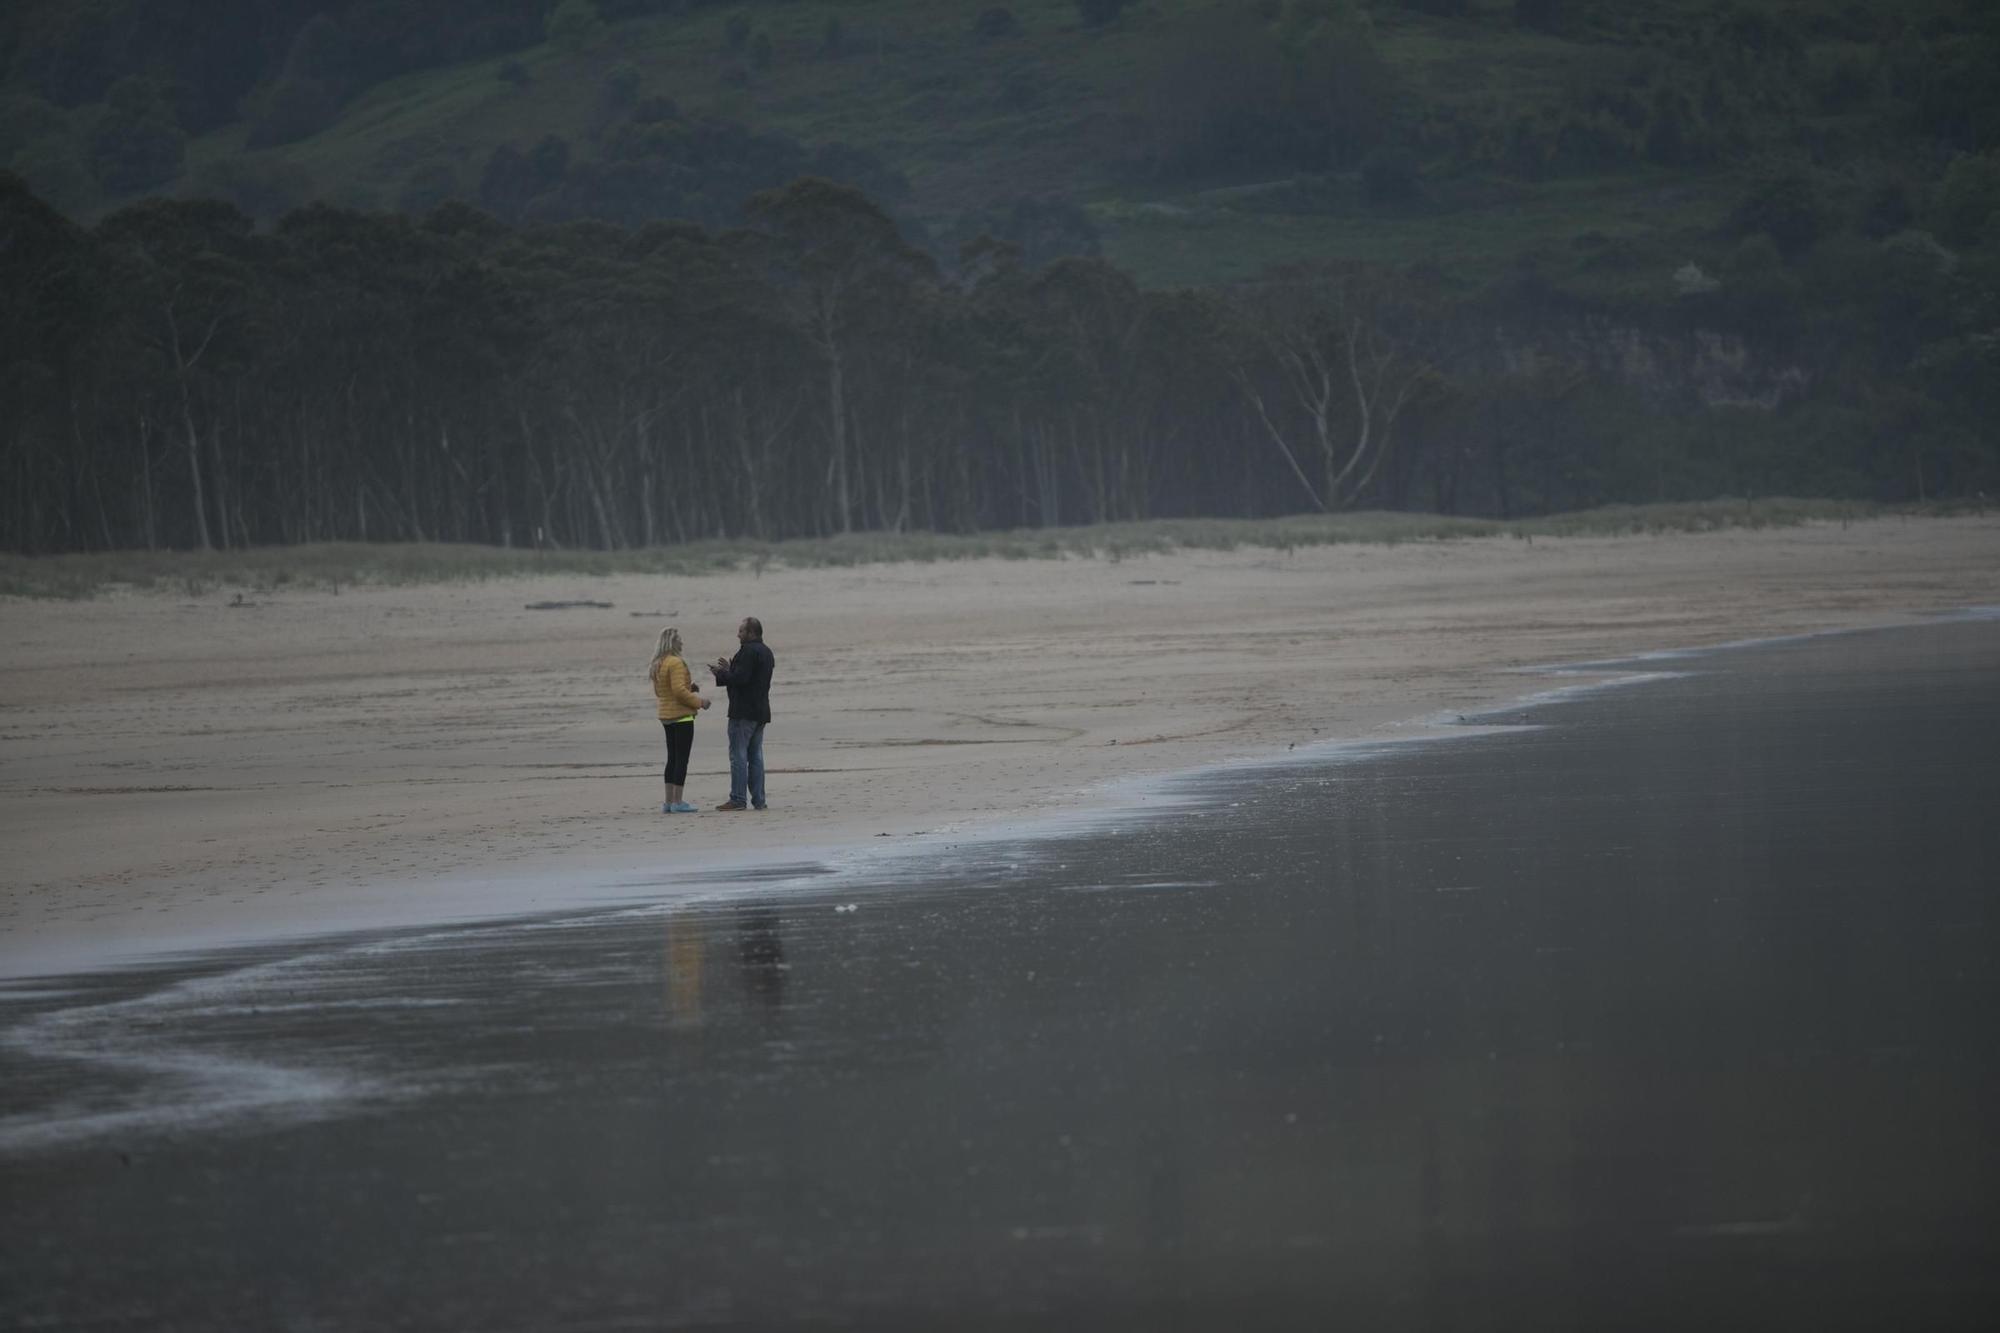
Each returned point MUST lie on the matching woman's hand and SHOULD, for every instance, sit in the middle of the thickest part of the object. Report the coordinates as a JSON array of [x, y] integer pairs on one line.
[[704, 703]]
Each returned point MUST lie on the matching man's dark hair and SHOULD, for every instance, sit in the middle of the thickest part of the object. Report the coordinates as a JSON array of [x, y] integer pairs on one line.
[[755, 626]]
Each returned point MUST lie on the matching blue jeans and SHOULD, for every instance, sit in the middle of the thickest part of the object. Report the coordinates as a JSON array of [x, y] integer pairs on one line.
[[746, 762]]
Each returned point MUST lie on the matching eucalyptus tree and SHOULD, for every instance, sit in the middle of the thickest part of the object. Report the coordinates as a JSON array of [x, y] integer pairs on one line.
[[46, 324], [183, 279], [1079, 384], [1092, 383], [681, 310], [1331, 357], [743, 378], [393, 335], [843, 274], [1000, 336], [477, 332], [909, 390], [1512, 421], [597, 372], [1193, 418]]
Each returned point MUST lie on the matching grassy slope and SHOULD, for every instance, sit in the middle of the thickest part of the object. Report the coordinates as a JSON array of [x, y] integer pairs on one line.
[[913, 85]]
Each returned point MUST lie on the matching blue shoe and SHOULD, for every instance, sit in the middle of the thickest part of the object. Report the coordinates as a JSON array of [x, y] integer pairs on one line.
[[666, 808], [682, 807]]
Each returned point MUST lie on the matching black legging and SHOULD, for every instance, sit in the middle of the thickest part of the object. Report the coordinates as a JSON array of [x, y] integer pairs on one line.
[[680, 740]]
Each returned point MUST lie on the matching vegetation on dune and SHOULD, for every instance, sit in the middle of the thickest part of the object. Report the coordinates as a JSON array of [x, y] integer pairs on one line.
[[331, 566]]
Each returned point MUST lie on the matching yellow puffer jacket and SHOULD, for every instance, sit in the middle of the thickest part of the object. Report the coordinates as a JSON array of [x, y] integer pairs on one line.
[[675, 691]]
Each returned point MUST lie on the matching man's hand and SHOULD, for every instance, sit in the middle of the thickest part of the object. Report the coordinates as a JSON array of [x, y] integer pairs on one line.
[[719, 665]]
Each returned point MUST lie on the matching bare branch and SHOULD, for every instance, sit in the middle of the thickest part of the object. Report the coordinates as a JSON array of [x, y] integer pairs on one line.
[[1278, 438]]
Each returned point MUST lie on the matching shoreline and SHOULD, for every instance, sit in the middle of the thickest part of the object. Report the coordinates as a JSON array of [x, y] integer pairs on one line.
[[589, 892], [459, 762], [586, 890]]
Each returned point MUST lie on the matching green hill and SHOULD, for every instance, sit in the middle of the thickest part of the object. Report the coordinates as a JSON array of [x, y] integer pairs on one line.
[[1601, 140]]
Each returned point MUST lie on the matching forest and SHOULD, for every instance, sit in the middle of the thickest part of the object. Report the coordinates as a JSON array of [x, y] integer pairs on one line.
[[678, 326]]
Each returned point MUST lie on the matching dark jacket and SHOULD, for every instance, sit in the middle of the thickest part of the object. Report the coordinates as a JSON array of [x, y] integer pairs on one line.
[[748, 681]]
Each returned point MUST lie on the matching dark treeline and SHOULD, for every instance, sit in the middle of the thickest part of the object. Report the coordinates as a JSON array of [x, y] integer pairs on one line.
[[175, 377]]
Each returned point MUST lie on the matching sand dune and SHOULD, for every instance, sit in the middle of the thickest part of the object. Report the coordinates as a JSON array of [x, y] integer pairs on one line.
[[181, 772]]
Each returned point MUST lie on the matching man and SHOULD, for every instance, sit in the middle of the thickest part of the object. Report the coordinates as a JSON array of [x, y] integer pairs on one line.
[[747, 677]]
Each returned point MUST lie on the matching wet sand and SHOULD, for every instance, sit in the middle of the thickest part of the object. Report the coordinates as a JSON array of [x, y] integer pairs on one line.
[[184, 773], [1662, 1006]]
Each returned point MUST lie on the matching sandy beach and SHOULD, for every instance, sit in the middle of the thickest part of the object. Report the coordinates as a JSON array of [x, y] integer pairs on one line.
[[187, 771]]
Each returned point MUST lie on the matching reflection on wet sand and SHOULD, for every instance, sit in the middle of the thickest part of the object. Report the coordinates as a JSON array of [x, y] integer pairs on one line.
[[686, 941], [760, 954], [757, 939]]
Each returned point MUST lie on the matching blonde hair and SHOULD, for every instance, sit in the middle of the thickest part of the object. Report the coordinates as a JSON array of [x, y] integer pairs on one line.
[[668, 646]]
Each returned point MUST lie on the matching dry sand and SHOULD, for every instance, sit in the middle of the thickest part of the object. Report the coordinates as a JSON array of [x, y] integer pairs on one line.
[[188, 772]]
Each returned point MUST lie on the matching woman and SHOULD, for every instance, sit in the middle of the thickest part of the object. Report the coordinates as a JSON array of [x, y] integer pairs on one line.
[[679, 701]]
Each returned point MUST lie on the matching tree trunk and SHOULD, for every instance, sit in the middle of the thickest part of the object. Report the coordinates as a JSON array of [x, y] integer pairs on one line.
[[836, 388], [148, 518], [194, 473], [648, 525], [224, 493], [1277, 437], [607, 530]]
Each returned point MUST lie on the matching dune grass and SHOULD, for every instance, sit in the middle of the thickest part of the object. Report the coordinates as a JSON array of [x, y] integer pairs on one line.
[[332, 566]]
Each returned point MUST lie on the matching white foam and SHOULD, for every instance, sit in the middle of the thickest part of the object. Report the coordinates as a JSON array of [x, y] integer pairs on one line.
[[186, 1076]]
